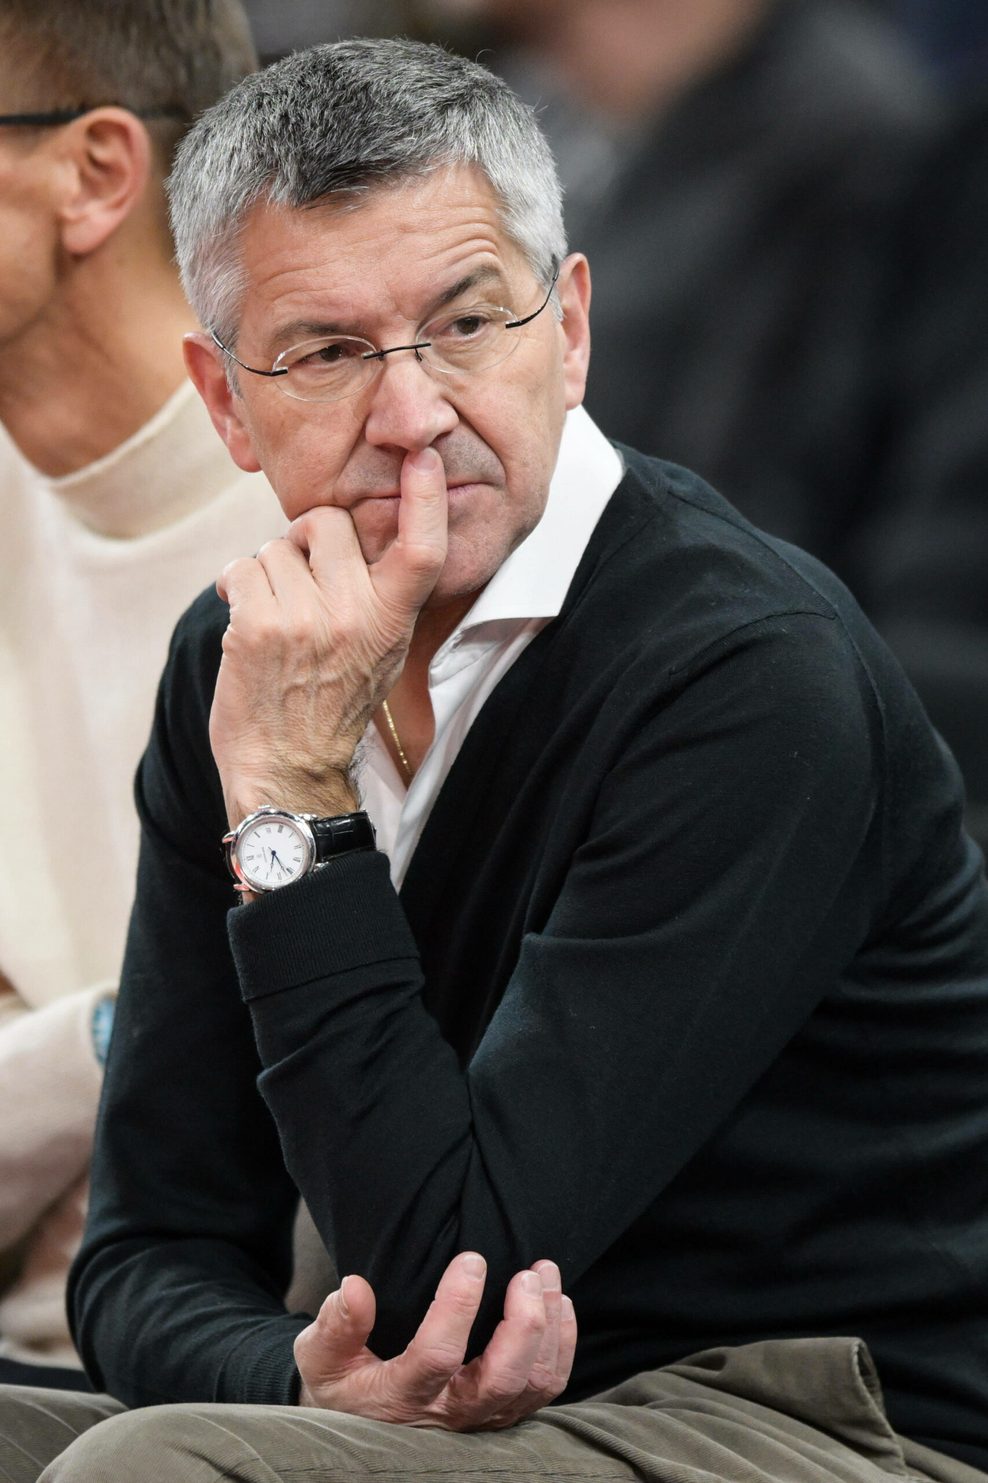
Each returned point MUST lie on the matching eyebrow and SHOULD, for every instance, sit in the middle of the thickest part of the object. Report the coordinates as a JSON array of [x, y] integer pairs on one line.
[[297, 330]]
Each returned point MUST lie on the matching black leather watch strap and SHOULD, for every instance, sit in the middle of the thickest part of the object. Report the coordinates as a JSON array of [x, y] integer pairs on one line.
[[342, 834]]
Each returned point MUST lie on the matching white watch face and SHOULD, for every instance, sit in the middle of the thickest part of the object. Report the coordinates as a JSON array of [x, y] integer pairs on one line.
[[273, 852]]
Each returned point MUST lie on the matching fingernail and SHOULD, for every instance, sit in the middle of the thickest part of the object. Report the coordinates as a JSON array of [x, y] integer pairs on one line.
[[473, 1265], [531, 1283], [549, 1273], [344, 1305], [424, 461], [566, 1310]]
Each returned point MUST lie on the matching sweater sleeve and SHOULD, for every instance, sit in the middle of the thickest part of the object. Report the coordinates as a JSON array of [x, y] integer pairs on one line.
[[177, 1290], [49, 1088]]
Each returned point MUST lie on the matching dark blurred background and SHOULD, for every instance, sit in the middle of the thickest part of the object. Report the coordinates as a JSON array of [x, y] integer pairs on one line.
[[951, 34]]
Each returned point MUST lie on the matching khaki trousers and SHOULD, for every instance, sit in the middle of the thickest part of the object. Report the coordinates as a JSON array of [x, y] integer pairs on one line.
[[793, 1411]]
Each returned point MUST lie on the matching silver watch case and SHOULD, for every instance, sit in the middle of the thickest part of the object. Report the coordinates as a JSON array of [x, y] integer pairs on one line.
[[231, 841]]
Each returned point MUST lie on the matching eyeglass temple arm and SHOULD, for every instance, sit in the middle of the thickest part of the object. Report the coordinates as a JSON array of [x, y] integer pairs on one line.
[[516, 324], [56, 116], [279, 371]]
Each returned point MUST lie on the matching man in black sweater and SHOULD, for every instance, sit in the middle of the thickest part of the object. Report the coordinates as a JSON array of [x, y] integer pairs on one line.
[[683, 997]]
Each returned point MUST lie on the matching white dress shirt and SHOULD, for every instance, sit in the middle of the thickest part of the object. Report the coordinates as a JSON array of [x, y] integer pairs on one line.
[[524, 594]]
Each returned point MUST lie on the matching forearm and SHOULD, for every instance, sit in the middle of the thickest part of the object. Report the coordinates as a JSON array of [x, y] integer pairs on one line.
[[372, 1108], [177, 1290], [232, 1342]]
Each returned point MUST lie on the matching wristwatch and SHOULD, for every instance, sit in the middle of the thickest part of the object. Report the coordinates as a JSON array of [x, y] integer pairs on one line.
[[272, 847]]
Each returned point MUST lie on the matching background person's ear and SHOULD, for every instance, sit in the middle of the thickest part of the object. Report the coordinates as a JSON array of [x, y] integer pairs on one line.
[[107, 159], [574, 295], [204, 362]]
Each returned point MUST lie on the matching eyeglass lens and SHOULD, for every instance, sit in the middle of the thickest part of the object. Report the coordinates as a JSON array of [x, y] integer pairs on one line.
[[338, 366]]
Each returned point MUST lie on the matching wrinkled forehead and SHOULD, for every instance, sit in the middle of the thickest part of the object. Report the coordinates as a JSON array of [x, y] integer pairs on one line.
[[440, 189], [400, 240]]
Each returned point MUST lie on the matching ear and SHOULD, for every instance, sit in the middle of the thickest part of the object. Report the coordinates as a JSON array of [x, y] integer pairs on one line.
[[204, 363], [573, 289], [108, 153]]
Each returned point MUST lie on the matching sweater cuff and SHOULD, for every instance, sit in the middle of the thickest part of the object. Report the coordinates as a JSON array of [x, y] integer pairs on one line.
[[261, 1369], [345, 915]]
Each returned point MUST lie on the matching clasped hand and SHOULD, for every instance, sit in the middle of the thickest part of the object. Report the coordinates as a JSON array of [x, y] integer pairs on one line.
[[525, 1365], [316, 638]]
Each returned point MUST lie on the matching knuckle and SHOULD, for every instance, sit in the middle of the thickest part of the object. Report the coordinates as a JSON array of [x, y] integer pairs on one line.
[[545, 1382], [502, 1390], [531, 1323], [437, 1360], [263, 632], [504, 1384], [348, 630], [296, 632], [461, 1300], [423, 557]]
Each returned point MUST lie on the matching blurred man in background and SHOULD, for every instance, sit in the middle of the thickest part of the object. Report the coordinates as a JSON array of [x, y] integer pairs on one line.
[[118, 504]]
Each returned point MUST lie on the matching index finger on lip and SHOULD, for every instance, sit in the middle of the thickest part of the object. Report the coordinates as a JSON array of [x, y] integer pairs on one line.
[[407, 572], [423, 511]]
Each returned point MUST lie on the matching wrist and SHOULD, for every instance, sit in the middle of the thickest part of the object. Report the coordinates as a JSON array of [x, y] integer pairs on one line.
[[325, 798]]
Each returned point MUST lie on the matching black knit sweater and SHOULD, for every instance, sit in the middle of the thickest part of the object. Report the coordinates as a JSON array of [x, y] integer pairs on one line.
[[687, 988]]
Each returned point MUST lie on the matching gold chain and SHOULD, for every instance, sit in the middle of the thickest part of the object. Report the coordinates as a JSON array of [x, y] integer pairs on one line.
[[396, 738]]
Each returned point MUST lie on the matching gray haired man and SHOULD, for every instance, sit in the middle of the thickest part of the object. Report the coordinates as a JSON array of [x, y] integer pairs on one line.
[[666, 977]]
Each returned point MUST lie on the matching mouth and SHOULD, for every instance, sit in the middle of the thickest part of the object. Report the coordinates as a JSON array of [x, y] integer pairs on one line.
[[458, 487]]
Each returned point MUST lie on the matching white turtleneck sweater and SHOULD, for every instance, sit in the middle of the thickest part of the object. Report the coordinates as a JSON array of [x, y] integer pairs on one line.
[[96, 569]]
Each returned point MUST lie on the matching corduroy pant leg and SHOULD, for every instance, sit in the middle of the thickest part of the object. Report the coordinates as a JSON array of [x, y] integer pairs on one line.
[[805, 1411], [37, 1424]]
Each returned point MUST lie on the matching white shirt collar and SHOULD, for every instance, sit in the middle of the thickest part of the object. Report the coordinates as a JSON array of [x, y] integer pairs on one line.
[[534, 580]]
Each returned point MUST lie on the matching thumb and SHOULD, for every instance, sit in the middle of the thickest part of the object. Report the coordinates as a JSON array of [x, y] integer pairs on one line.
[[338, 1334]]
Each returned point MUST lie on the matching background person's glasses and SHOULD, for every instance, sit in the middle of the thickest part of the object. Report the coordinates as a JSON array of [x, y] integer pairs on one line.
[[58, 116], [453, 343]]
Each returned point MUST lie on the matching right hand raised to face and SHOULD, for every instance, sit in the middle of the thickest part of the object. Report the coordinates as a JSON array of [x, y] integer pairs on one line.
[[526, 1364], [316, 639]]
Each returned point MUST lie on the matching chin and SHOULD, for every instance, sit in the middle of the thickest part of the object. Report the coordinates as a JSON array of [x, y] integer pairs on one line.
[[462, 579], [444, 594]]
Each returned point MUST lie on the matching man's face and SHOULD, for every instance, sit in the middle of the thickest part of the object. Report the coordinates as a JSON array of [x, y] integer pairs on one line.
[[381, 270]]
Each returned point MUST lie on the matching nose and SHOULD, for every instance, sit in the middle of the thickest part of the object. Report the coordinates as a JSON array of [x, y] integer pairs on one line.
[[409, 408]]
